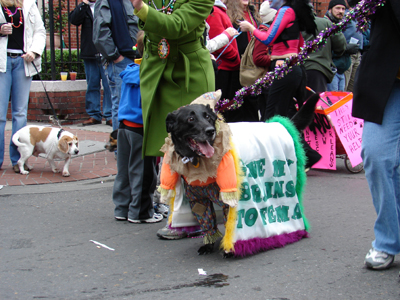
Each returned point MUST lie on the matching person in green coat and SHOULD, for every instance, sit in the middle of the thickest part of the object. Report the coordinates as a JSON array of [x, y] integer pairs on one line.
[[176, 67]]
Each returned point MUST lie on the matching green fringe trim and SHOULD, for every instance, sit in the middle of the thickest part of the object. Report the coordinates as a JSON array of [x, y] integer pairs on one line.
[[301, 161], [211, 239], [166, 195]]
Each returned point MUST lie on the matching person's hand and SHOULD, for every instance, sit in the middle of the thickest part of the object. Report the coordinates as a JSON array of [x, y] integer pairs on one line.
[[352, 48], [246, 26], [29, 56], [6, 29], [137, 4], [86, 2], [231, 31], [119, 59]]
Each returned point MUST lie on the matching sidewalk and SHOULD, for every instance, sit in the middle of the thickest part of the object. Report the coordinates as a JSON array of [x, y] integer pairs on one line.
[[93, 161]]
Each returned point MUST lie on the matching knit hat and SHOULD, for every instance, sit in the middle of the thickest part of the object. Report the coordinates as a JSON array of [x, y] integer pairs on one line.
[[267, 13], [336, 2]]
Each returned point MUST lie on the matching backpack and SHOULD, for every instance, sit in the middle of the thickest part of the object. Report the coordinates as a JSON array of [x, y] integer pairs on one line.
[[342, 63], [249, 72]]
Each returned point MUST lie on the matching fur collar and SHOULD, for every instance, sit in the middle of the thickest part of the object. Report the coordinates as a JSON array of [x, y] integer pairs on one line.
[[207, 166]]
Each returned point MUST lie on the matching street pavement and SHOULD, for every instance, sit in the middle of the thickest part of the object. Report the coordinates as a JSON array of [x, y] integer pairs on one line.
[[47, 249]]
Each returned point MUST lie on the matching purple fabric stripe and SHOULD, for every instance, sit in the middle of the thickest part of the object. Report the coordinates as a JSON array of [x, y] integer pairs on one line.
[[249, 247]]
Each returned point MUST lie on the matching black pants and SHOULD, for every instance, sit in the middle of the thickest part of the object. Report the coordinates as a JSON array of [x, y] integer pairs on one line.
[[228, 82], [282, 91], [317, 81]]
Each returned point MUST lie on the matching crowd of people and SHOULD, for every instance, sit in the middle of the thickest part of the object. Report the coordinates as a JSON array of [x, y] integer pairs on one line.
[[188, 48]]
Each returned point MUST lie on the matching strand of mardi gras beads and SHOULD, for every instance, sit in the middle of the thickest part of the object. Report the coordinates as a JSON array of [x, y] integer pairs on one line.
[[11, 16], [360, 13]]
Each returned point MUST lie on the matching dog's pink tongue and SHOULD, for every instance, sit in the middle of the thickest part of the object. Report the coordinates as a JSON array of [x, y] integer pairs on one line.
[[206, 149]]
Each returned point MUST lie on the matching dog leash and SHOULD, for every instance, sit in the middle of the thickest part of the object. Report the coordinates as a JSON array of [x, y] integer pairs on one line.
[[234, 37]]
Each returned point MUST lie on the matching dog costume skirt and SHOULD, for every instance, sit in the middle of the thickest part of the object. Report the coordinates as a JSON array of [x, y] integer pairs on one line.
[[269, 213]]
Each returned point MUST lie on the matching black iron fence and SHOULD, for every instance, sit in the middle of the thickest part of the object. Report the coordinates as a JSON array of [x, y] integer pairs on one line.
[[62, 40]]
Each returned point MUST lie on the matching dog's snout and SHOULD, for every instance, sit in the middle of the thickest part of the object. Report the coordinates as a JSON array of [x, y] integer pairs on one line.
[[210, 131], [76, 151]]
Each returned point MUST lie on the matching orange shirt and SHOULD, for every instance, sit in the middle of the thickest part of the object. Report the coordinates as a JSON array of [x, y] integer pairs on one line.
[[226, 176]]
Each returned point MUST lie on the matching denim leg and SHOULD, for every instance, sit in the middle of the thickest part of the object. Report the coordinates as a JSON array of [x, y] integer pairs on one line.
[[115, 83], [333, 86], [338, 83], [342, 82], [93, 89], [106, 92], [21, 84], [5, 88], [381, 157]]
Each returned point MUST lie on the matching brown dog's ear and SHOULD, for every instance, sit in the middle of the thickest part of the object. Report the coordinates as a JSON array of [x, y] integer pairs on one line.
[[63, 145], [170, 121]]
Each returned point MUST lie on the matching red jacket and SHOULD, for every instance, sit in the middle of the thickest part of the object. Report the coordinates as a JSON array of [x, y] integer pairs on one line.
[[261, 52], [219, 21]]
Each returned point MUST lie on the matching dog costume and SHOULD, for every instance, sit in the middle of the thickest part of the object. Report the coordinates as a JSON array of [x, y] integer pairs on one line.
[[256, 174]]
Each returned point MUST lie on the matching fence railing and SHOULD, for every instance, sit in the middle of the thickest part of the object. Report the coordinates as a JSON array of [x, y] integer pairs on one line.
[[62, 40]]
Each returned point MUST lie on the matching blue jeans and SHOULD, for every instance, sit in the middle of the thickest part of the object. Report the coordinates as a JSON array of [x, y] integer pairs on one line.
[[338, 83], [115, 83], [94, 73], [16, 84], [381, 156]]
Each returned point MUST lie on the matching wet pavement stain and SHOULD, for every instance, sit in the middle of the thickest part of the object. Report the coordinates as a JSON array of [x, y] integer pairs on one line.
[[214, 280]]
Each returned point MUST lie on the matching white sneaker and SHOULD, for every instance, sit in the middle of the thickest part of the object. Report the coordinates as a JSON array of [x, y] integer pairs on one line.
[[155, 219], [378, 260]]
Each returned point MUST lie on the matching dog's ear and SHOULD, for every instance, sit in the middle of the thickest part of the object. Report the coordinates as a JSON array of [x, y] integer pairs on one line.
[[63, 145], [211, 112], [170, 121]]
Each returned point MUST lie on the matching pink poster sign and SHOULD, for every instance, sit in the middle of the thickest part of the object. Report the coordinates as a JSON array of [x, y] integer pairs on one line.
[[349, 131], [320, 135]]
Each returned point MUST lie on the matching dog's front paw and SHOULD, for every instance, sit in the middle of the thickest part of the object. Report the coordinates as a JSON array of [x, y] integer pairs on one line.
[[23, 172], [55, 170], [65, 173], [227, 254], [206, 249]]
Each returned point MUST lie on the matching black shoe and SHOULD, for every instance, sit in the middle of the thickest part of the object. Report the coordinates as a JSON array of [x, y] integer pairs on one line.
[[91, 121]]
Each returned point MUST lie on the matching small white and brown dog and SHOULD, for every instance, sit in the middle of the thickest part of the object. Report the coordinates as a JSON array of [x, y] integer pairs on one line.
[[54, 142]]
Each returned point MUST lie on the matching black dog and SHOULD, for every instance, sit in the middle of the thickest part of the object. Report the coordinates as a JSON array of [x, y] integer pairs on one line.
[[111, 145], [193, 132]]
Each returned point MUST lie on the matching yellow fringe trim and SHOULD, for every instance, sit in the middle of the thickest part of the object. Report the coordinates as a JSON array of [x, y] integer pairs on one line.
[[227, 243], [171, 208], [211, 239], [166, 195]]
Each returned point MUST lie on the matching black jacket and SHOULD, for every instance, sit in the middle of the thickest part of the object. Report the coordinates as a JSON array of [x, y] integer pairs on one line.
[[82, 15], [379, 65]]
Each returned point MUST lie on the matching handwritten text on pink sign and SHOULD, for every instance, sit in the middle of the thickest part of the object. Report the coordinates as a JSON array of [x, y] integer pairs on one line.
[[349, 131]]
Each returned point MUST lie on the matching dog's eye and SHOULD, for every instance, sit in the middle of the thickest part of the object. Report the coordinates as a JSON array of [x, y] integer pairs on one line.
[[207, 117], [191, 119], [70, 143]]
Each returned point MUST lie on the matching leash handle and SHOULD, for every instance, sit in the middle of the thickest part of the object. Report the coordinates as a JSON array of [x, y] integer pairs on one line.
[[234, 37]]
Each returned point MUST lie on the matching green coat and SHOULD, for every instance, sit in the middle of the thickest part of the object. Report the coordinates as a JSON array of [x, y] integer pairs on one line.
[[187, 72]]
